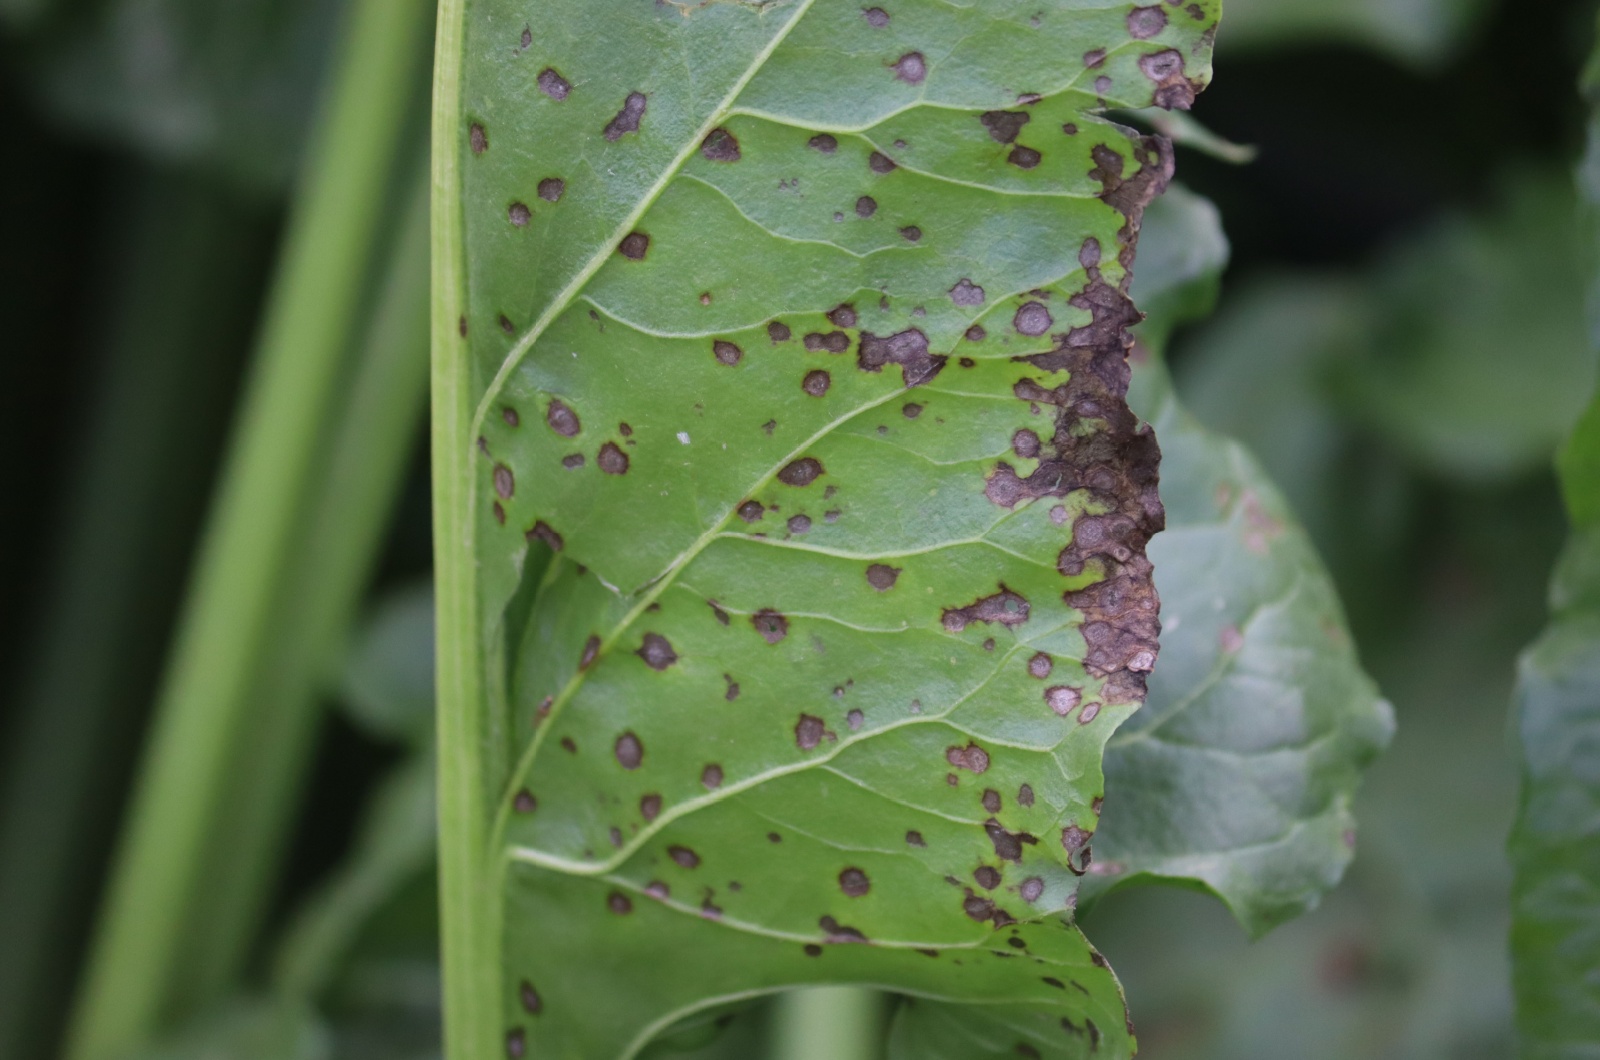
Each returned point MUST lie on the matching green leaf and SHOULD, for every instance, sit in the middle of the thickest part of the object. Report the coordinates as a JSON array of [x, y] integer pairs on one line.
[[1433, 376], [802, 327], [1555, 936]]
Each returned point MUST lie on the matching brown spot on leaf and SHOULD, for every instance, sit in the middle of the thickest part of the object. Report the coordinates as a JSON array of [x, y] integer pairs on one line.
[[991, 800], [551, 189], [915, 839], [630, 752], [657, 652], [506, 325], [685, 857], [542, 531], [1024, 157], [882, 577], [778, 332], [801, 472], [823, 142], [911, 233], [751, 512], [1031, 889], [843, 316], [477, 138], [1032, 319], [612, 460], [1025, 796], [1075, 841], [524, 802], [726, 352], [799, 524], [504, 482], [1025, 444], [971, 757], [1173, 91], [866, 206], [591, 648], [531, 1002], [1062, 699], [720, 145], [634, 246], [650, 807], [810, 731], [881, 163], [966, 293], [772, 626], [562, 419], [553, 84], [711, 777], [987, 876], [908, 349], [816, 382], [1004, 125], [876, 17], [519, 214], [516, 1043], [911, 68], [1005, 607], [619, 903], [627, 119], [854, 883]]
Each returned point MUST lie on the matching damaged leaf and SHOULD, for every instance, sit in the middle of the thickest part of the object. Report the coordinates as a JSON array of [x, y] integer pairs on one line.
[[1238, 773], [810, 381]]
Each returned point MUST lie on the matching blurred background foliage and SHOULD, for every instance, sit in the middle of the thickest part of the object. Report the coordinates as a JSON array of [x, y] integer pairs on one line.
[[1400, 339]]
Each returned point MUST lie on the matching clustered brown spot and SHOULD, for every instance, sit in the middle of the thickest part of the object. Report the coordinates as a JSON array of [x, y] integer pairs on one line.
[[1005, 607], [1004, 125], [882, 577], [657, 652], [1173, 91], [720, 146], [627, 119], [832, 342], [908, 349], [1075, 841], [971, 757]]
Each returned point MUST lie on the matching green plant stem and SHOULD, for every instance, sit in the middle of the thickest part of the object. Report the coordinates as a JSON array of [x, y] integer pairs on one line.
[[180, 291], [829, 1023], [225, 624], [370, 448], [469, 908]]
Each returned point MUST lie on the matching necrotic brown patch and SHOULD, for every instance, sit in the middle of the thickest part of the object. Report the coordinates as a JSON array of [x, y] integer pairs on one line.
[[809, 731], [966, 293], [1005, 607], [816, 382], [971, 758]]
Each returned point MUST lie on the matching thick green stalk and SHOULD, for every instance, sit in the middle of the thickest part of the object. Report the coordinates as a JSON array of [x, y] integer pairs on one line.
[[181, 291], [226, 623], [469, 908], [370, 447], [829, 1023]]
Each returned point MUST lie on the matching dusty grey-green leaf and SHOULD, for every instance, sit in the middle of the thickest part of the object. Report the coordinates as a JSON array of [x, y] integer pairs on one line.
[[808, 370]]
